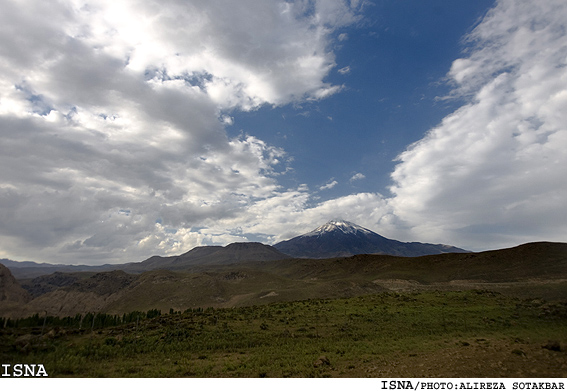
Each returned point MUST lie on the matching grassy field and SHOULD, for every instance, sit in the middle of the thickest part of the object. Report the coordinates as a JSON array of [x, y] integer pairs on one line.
[[388, 334]]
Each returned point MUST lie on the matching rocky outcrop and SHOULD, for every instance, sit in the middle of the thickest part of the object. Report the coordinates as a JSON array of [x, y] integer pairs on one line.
[[91, 294], [10, 289], [48, 283]]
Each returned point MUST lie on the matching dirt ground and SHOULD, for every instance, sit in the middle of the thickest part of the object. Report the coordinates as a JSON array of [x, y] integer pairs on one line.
[[476, 358]]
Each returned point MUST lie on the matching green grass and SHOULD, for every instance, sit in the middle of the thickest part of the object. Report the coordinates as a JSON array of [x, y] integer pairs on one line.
[[285, 339]]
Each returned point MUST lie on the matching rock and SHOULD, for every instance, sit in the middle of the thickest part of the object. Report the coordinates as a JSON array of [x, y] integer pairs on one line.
[[24, 339], [321, 361], [553, 345]]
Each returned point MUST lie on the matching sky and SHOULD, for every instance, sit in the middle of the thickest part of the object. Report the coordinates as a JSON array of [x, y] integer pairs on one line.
[[137, 128]]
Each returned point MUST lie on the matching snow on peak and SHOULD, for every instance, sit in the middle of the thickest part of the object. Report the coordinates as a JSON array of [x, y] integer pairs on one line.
[[338, 225]]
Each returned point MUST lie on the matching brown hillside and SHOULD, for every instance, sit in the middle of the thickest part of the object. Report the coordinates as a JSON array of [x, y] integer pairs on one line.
[[47, 283], [10, 289], [531, 270], [12, 295], [209, 255], [542, 260], [91, 294]]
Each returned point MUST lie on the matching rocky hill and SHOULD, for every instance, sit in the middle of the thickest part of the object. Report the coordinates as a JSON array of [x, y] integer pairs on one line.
[[12, 296], [10, 289], [47, 283], [92, 294]]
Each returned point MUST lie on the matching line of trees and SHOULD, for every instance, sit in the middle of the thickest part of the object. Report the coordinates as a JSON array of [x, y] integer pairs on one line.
[[86, 321], [91, 320]]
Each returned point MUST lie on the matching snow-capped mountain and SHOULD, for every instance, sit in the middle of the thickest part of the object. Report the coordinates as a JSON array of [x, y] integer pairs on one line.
[[340, 225], [339, 238]]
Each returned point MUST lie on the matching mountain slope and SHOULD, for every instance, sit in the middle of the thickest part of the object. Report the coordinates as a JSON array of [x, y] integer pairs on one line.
[[199, 256], [531, 261], [530, 270], [339, 238], [47, 283], [209, 255], [12, 296], [10, 289], [28, 270], [92, 294]]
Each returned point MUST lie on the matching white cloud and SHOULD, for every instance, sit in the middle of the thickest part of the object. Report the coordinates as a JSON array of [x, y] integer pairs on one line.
[[356, 177], [329, 185], [109, 106], [243, 55], [227, 120], [293, 213], [492, 173], [344, 71], [113, 148]]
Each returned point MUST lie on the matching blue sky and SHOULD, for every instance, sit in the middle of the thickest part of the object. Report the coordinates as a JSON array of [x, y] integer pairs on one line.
[[133, 128], [392, 65]]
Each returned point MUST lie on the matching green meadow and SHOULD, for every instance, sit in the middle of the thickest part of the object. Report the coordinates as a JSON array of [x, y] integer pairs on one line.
[[383, 334]]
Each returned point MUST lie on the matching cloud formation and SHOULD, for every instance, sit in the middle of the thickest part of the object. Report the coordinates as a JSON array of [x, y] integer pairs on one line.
[[329, 185], [112, 115], [356, 177], [113, 146], [491, 173]]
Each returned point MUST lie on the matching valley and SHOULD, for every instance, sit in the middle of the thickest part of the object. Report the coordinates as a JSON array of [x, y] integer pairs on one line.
[[250, 310]]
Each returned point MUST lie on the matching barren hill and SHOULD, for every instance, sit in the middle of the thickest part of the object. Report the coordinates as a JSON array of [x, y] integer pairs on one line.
[[12, 295], [10, 289], [209, 255], [91, 294], [541, 260], [535, 269]]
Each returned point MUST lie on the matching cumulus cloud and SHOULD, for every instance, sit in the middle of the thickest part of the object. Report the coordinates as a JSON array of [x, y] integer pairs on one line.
[[492, 173], [113, 147], [112, 119], [356, 177], [329, 185], [292, 213]]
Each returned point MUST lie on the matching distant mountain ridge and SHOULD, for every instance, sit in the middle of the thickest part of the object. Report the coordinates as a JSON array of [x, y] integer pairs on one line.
[[198, 256], [339, 238], [27, 269], [209, 255]]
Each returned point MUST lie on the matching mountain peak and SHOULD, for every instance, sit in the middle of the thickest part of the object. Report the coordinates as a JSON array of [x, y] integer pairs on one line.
[[339, 238], [343, 226]]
